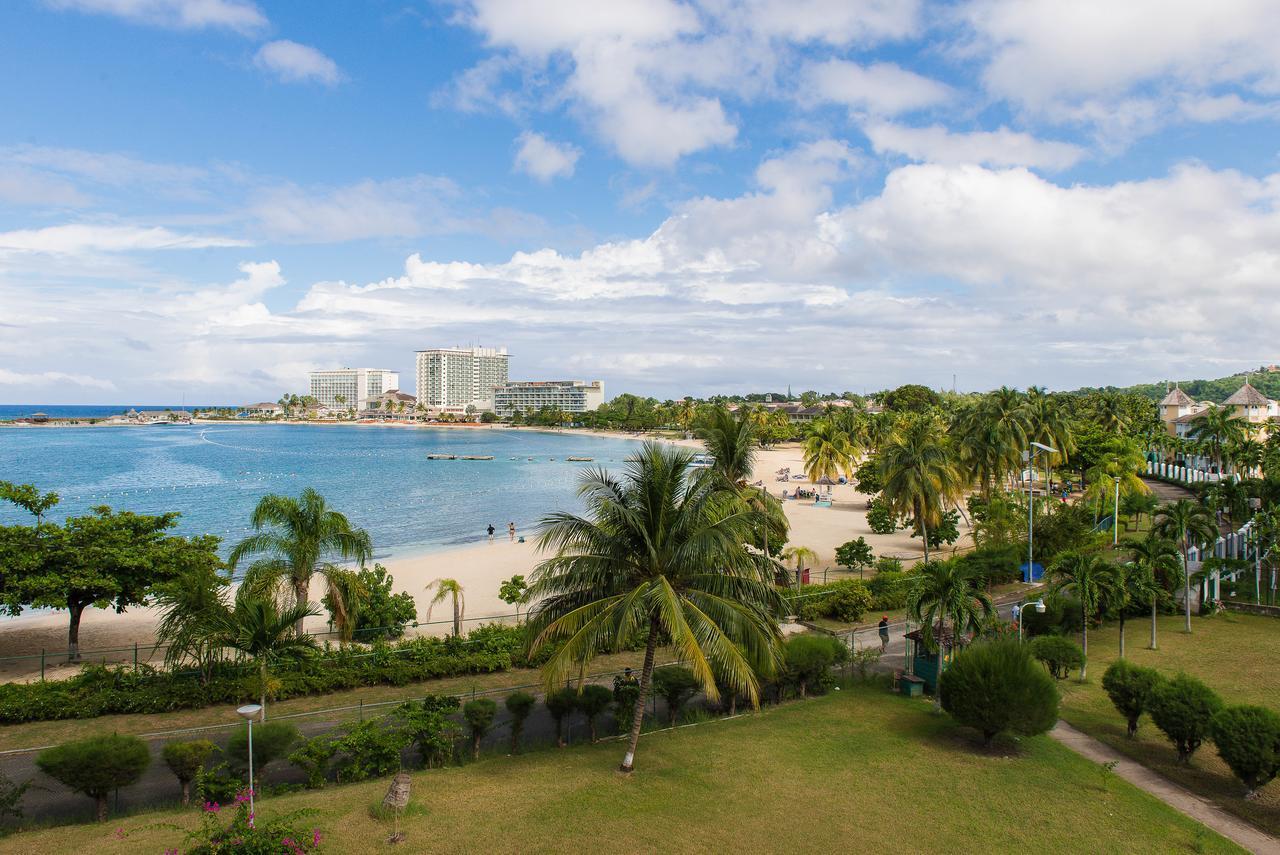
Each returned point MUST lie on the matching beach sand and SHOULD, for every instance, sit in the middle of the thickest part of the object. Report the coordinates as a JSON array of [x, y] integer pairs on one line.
[[480, 568]]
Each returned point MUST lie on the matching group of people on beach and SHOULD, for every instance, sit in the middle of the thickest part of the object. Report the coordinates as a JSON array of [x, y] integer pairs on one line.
[[511, 531]]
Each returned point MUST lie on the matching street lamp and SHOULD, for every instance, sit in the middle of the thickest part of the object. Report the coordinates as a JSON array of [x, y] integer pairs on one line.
[[249, 712], [1030, 457], [1115, 537], [1038, 605]]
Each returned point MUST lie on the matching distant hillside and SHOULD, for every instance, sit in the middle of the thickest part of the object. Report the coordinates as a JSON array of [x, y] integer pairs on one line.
[[1265, 381]]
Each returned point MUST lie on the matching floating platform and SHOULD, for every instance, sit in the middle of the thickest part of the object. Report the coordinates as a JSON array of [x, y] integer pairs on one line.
[[476, 457], [442, 457], [580, 459]]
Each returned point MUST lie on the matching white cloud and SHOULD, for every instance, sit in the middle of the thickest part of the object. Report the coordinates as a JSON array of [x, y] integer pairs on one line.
[[1001, 147], [835, 22], [86, 238], [403, 207], [239, 15], [297, 63], [44, 380], [22, 186], [882, 88], [544, 159]]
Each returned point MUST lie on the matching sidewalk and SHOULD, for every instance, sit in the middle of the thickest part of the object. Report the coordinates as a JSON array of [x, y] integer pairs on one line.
[[1230, 827]]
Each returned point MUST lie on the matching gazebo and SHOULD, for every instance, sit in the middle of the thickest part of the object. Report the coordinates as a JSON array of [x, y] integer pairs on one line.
[[921, 662]]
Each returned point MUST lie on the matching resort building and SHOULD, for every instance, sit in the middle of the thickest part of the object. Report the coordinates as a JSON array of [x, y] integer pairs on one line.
[[1178, 411], [461, 377], [571, 396], [262, 408], [344, 388]]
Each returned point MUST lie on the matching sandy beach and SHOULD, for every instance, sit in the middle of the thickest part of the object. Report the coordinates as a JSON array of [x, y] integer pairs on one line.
[[481, 568]]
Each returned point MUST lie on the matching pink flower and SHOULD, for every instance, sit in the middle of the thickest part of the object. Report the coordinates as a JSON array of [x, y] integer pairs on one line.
[[212, 807], [120, 834], [315, 837]]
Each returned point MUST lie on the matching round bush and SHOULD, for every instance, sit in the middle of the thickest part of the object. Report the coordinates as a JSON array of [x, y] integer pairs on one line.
[[1248, 740], [809, 660], [995, 686], [519, 705], [1058, 654], [1130, 687], [185, 760], [593, 700], [271, 741], [479, 714], [675, 684], [1183, 708], [97, 765], [849, 601]]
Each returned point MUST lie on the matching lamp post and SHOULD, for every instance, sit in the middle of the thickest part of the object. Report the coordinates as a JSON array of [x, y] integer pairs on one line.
[[1115, 537], [1030, 456], [249, 712], [1038, 605]]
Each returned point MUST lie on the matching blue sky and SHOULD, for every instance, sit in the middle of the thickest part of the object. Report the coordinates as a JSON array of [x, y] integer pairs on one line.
[[211, 197]]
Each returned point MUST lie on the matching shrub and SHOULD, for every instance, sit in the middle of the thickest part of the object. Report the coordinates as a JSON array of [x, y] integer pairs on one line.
[[996, 565], [855, 554], [11, 797], [675, 684], [97, 765], [880, 518], [890, 588], [185, 760], [1130, 688], [383, 614], [809, 660], [314, 757], [371, 749], [244, 835], [479, 714], [593, 700], [1183, 708], [519, 705], [626, 691], [848, 602], [271, 741], [429, 727], [1058, 654], [863, 660], [995, 686], [1248, 740], [560, 704], [1061, 616]]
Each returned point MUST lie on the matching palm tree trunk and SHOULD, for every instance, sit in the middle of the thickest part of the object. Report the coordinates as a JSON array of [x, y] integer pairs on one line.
[[1153, 623], [301, 593], [262, 684], [937, 687], [637, 718], [1084, 643], [924, 530], [457, 618], [1186, 582], [1122, 633]]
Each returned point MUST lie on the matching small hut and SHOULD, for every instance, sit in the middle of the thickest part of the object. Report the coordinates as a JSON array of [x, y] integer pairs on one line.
[[922, 662]]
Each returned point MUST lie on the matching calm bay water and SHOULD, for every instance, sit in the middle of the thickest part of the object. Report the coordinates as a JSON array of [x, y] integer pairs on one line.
[[379, 477]]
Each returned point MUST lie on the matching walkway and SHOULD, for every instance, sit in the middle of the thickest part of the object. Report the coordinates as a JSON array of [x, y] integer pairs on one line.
[[1166, 492], [1229, 826]]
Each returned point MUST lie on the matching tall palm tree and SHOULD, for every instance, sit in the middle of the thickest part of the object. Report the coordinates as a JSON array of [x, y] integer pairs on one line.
[[259, 628], [918, 473], [947, 590], [1110, 414], [731, 440], [686, 412], [301, 536], [1135, 584], [1094, 580], [658, 548], [446, 588], [1218, 428], [1187, 523], [799, 554], [828, 451], [1047, 423], [1158, 558]]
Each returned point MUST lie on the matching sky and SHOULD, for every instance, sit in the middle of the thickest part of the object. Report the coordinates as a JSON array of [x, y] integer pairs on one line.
[[206, 199]]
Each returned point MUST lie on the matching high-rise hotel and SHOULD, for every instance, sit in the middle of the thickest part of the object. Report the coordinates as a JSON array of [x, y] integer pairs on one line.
[[355, 386], [453, 378]]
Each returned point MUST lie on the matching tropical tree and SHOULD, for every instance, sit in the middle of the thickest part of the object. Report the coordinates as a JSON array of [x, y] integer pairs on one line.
[[264, 631], [948, 590], [1093, 580], [732, 441], [828, 451], [1047, 423], [1218, 428], [191, 608], [1156, 557], [1187, 523], [919, 474], [1135, 585], [445, 589], [30, 499], [301, 537], [799, 555], [659, 548]]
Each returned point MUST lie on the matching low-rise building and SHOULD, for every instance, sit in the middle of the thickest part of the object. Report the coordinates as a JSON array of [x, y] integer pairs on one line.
[[345, 388], [570, 396], [262, 408]]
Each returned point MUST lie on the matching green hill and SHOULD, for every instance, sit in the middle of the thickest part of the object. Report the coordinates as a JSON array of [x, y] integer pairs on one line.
[[1265, 381]]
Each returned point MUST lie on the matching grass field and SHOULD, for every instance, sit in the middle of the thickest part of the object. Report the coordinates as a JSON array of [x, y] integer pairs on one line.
[[1237, 655], [860, 768]]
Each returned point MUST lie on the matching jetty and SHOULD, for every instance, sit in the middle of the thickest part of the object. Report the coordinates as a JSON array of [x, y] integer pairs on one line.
[[476, 457]]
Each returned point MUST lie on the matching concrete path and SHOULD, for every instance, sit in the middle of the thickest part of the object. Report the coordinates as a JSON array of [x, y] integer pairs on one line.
[[1229, 826]]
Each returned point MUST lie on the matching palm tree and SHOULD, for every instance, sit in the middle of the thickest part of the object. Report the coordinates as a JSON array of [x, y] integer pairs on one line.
[[446, 588], [1047, 423], [1187, 523], [192, 608], [1135, 584], [685, 413], [828, 451], [1158, 558], [302, 534], [659, 548], [259, 628], [919, 474], [731, 440], [1218, 427], [799, 554], [947, 590], [1094, 580]]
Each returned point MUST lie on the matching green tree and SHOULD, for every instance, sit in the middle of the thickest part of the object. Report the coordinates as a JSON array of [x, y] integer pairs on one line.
[[920, 477], [947, 590], [593, 700], [855, 554], [659, 549], [185, 760], [381, 613], [675, 684], [446, 589], [994, 687], [479, 714], [519, 706], [1248, 740], [561, 704], [828, 451], [1183, 709], [30, 499], [1218, 428], [1130, 687], [301, 536], [1187, 523], [1135, 585], [97, 765], [514, 591], [191, 607], [911, 398], [259, 628], [1093, 581]]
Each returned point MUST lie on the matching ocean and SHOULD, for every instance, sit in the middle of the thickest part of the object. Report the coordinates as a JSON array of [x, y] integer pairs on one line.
[[9, 412], [380, 477]]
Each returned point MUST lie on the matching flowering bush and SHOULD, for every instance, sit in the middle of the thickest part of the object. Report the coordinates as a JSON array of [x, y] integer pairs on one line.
[[246, 835]]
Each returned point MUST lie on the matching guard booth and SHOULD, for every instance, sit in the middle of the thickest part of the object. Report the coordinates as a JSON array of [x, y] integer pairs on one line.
[[921, 662]]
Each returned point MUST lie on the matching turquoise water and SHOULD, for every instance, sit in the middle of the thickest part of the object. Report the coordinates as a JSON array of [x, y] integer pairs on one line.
[[379, 477]]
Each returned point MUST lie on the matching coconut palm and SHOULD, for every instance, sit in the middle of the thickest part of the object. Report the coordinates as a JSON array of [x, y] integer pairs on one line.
[[918, 473], [685, 413], [1135, 585], [445, 589], [1047, 423], [1187, 523], [1093, 580], [1110, 414], [301, 536], [1122, 460], [1158, 558], [947, 590], [1218, 428], [731, 440], [262, 630], [659, 548], [828, 451], [799, 555]]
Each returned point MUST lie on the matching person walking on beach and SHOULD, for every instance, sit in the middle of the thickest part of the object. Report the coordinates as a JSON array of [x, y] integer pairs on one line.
[[884, 632], [511, 530], [491, 531]]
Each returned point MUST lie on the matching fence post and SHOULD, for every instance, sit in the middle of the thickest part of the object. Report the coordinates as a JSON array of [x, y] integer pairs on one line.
[[362, 709], [135, 657], [41, 664]]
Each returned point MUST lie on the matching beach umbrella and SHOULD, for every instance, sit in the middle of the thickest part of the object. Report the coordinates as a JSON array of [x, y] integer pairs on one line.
[[396, 800]]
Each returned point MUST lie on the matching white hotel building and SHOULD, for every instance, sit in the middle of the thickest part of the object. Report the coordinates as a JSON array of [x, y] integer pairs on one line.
[[357, 386], [454, 378], [571, 396]]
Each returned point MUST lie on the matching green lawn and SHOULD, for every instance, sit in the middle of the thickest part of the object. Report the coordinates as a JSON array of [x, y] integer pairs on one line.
[[857, 769], [1237, 655]]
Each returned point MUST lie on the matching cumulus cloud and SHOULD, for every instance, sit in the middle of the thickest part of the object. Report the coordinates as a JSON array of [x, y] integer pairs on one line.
[[544, 159], [297, 63], [881, 88], [42, 381], [1001, 147], [239, 15]]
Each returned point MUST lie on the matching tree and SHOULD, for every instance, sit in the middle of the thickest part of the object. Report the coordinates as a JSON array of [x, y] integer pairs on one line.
[[514, 591], [661, 549], [1183, 708], [731, 441], [479, 714], [348, 588], [593, 700], [1135, 585], [446, 588], [271, 741], [911, 398], [855, 554], [560, 704], [381, 613], [1248, 740], [301, 536], [191, 607], [920, 478], [828, 451], [1058, 654], [519, 705], [799, 555], [30, 499], [1092, 579], [1218, 428], [259, 628], [1186, 523], [1158, 557], [994, 686], [675, 684], [809, 660], [1130, 687], [947, 589], [186, 760], [97, 765]]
